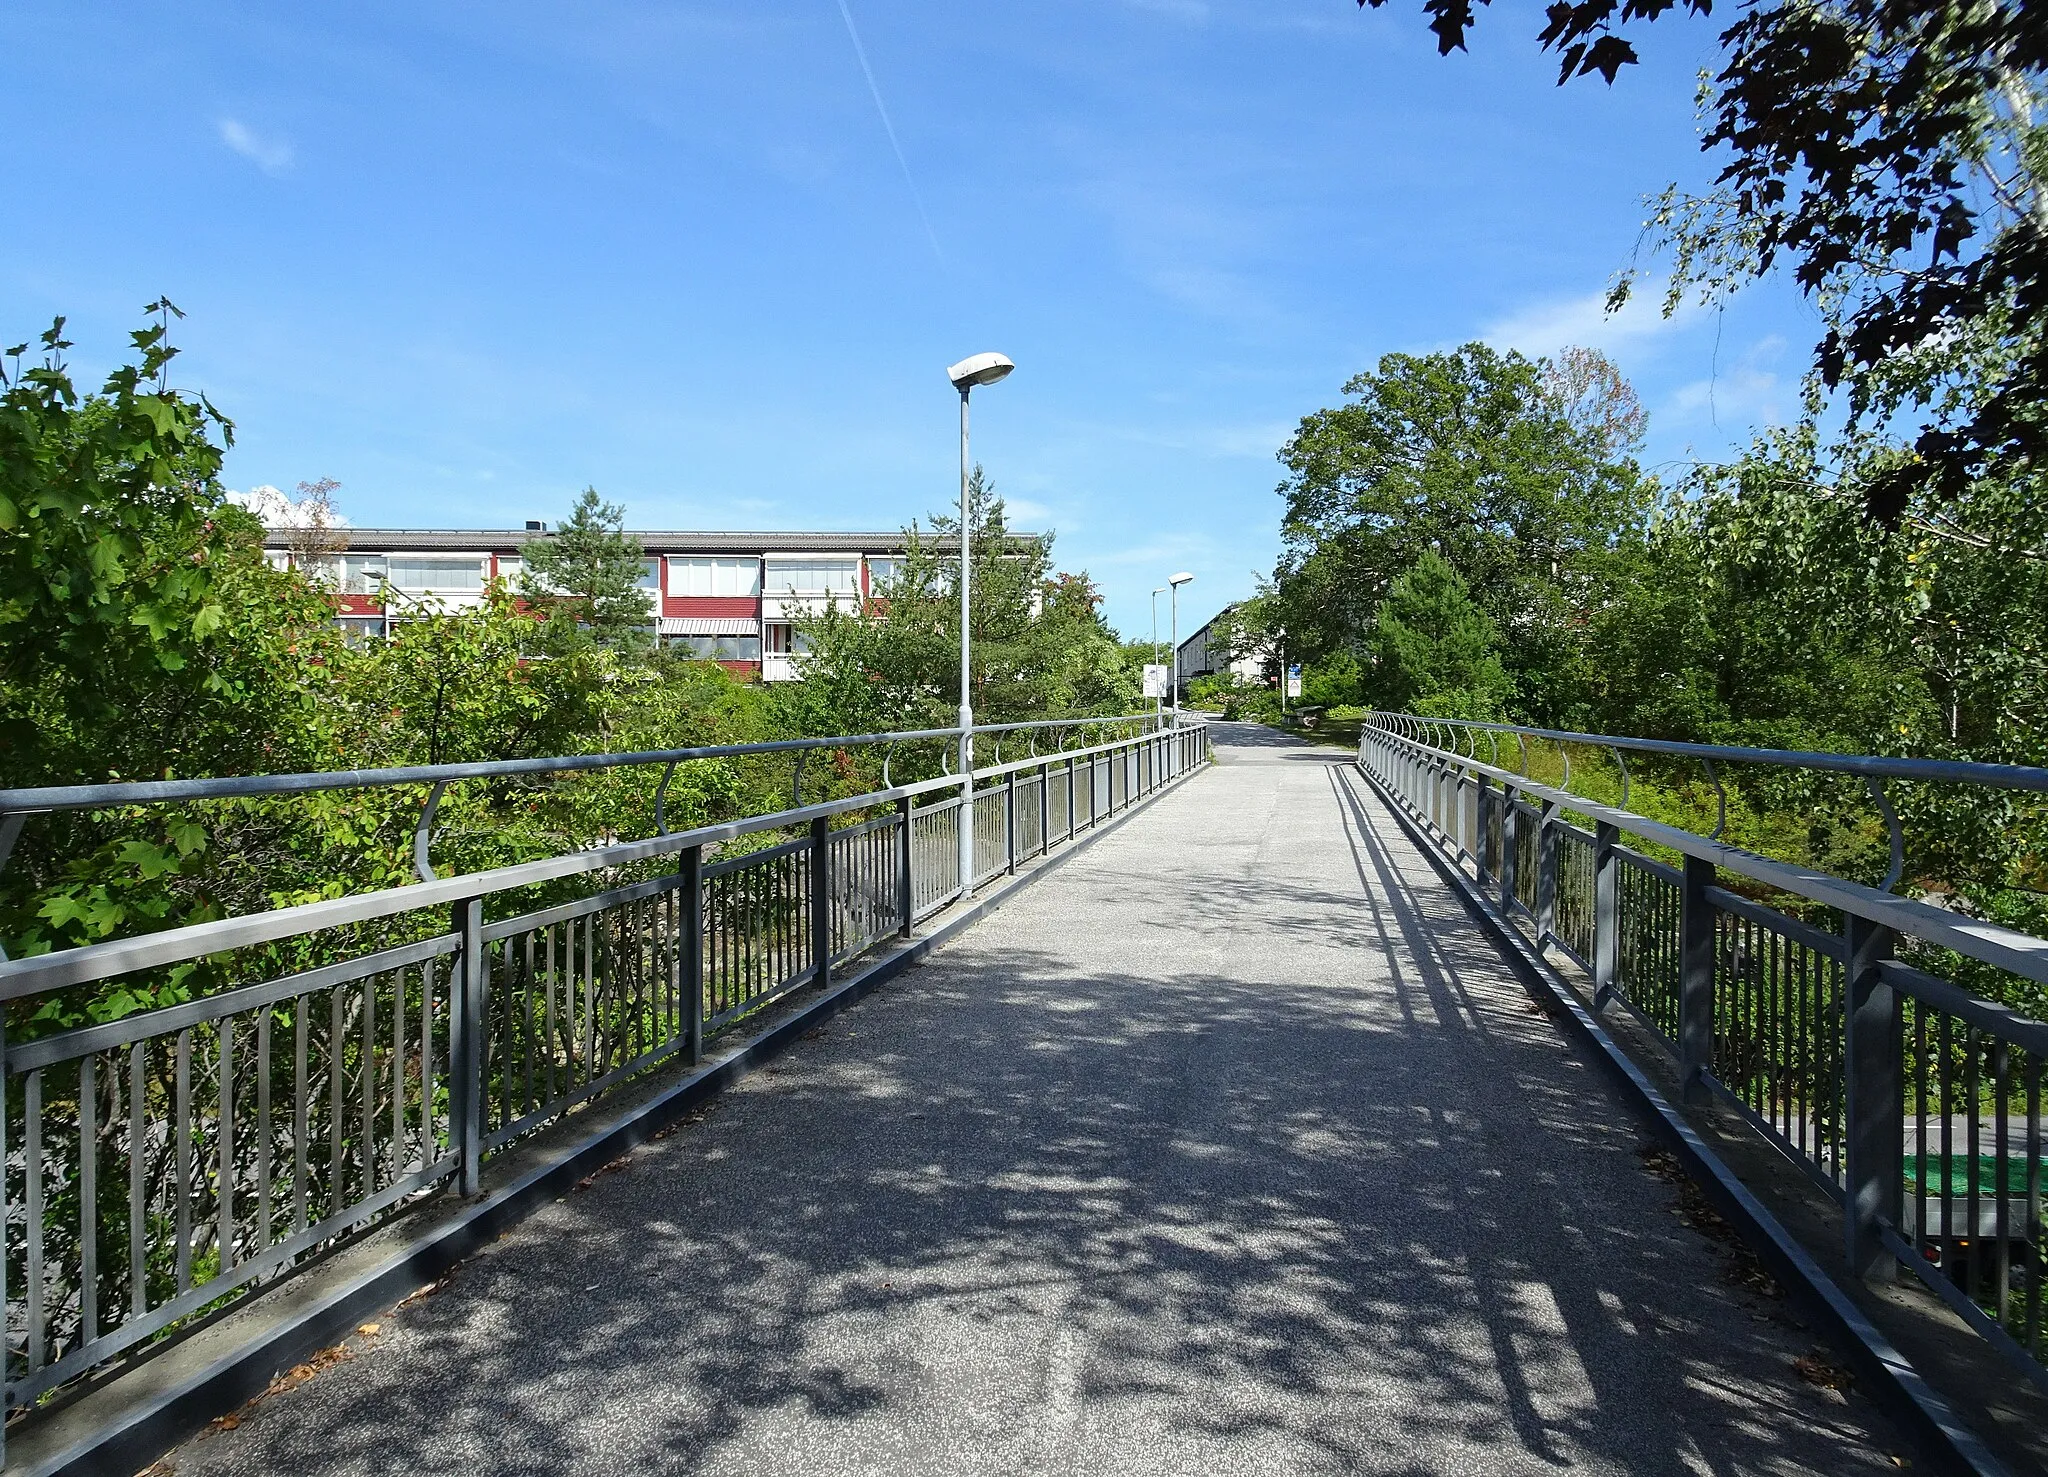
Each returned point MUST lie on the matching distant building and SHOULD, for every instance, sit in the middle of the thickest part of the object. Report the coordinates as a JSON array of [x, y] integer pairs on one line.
[[1198, 658], [732, 598]]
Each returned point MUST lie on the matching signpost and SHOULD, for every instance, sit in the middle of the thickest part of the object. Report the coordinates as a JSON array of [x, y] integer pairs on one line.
[[1155, 679], [1294, 680]]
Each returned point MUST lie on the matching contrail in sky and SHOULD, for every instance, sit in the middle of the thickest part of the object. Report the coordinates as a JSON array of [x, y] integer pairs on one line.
[[889, 128]]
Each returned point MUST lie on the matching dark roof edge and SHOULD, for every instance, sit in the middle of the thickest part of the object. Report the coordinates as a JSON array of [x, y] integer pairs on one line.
[[655, 541]]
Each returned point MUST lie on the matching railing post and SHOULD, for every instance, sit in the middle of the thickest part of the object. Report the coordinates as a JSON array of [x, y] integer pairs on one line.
[[906, 897], [1010, 822], [1606, 913], [1510, 847], [466, 1048], [1546, 875], [692, 888], [1044, 809], [1482, 829], [1072, 825], [1695, 981], [821, 901], [1874, 1095]]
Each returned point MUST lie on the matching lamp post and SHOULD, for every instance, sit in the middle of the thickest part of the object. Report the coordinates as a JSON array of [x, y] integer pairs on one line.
[[1155, 648], [979, 369], [1173, 603]]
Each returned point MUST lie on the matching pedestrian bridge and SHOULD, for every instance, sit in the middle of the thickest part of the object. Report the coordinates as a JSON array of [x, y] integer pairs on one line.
[[1230, 1146], [1229, 1141]]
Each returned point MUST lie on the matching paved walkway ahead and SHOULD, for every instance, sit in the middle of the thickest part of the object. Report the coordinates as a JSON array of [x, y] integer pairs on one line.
[[1230, 1147]]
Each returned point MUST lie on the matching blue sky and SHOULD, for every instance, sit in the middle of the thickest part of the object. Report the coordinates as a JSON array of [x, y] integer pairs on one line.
[[466, 259]]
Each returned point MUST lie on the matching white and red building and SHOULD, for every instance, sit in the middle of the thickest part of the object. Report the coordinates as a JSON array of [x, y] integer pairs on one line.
[[732, 598]]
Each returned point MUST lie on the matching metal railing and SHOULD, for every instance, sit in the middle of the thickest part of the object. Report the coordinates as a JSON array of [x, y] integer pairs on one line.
[[160, 1166], [1913, 1103]]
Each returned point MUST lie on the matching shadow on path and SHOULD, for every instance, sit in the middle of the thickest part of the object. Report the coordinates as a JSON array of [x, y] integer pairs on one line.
[[1231, 1147]]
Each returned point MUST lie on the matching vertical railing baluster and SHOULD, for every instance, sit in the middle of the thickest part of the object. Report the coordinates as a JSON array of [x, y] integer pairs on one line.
[[1696, 930], [1873, 1088], [1606, 912], [692, 901], [1546, 874], [138, 1269], [88, 1199], [181, 1096], [1010, 822], [225, 1197], [1510, 847], [264, 1129], [466, 1016], [906, 853], [821, 901], [32, 1171]]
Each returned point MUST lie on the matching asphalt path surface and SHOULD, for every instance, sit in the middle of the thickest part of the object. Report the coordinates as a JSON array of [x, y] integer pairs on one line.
[[1231, 1147]]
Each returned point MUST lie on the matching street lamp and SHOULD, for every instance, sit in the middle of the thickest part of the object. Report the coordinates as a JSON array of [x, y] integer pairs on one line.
[[1173, 603], [978, 369], [1155, 648]]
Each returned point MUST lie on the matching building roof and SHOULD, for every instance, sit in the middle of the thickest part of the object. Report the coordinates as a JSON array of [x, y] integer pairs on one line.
[[655, 541]]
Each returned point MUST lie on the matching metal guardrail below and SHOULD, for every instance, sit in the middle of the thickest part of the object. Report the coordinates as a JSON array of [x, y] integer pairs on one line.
[[1914, 1104], [161, 1166]]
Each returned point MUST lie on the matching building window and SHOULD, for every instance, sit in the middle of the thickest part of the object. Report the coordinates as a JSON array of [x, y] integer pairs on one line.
[[726, 578], [357, 630], [784, 640], [813, 577], [883, 571], [719, 648], [437, 576], [509, 567], [650, 575]]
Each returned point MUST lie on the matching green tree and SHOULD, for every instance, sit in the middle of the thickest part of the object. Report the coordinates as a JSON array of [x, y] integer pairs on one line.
[[1485, 458], [1434, 649], [1893, 153], [1041, 647], [587, 576]]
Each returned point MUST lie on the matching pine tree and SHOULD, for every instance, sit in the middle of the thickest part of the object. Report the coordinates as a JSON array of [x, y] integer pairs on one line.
[[586, 576]]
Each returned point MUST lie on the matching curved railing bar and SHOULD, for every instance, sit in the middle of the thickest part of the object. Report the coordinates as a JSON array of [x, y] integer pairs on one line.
[[1896, 831], [1623, 763], [422, 834], [1566, 755], [796, 784], [1720, 801], [661, 795], [1522, 739]]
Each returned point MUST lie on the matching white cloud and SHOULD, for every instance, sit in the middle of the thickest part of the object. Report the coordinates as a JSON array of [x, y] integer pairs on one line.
[[1545, 328], [278, 509], [271, 155], [1748, 393], [1025, 511]]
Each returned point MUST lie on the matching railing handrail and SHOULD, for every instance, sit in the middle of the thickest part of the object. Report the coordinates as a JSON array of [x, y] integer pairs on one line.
[[40, 973], [1875, 766], [44, 798], [1992, 943]]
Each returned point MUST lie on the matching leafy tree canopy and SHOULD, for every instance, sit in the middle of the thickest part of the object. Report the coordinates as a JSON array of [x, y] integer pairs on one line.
[[1892, 152]]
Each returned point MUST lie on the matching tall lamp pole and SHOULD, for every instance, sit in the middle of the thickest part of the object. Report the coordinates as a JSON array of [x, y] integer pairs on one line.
[[980, 369], [1155, 648], [1173, 603]]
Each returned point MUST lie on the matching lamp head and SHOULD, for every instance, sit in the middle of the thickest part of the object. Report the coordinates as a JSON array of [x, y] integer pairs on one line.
[[1180, 579], [977, 370]]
